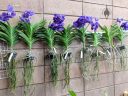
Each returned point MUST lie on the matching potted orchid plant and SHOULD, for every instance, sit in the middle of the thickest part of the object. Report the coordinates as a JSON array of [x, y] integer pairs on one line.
[[122, 27], [81, 30], [64, 37], [115, 32], [94, 39], [48, 36], [8, 34], [87, 38], [27, 33]]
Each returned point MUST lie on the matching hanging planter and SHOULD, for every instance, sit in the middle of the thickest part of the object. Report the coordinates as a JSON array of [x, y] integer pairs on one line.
[[48, 37], [96, 51], [27, 33], [8, 34], [121, 25], [81, 33], [95, 46], [90, 43], [64, 39], [108, 36], [112, 34]]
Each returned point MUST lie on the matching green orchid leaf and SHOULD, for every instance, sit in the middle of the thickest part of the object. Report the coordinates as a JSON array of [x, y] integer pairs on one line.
[[72, 93], [8, 34], [81, 34], [114, 32], [66, 37], [28, 32], [48, 36]]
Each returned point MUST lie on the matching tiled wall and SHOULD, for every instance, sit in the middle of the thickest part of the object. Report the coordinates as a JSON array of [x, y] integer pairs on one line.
[[111, 81]]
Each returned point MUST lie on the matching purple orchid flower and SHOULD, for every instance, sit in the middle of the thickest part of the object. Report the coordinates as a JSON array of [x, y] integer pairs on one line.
[[57, 27], [81, 21], [119, 20], [11, 11], [5, 16], [26, 16], [58, 18], [57, 24], [95, 24], [122, 23]]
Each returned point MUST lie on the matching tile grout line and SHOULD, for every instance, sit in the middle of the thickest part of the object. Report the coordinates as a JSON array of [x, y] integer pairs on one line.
[[100, 4], [96, 3], [84, 83], [113, 58], [44, 73], [44, 58]]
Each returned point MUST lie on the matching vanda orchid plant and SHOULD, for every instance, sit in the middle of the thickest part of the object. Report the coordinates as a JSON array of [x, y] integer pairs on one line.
[[8, 34], [64, 37], [87, 38], [48, 36], [115, 33], [81, 33], [27, 33], [94, 41], [122, 26]]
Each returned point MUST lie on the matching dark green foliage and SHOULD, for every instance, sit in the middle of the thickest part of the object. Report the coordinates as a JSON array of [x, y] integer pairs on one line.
[[48, 36], [66, 37], [28, 31], [8, 34], [109, 34], [81, 34]]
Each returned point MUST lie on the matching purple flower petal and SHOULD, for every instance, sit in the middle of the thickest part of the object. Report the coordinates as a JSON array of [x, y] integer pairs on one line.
[[81, 21], [26, 16], [5, 16], [58, 18], [94, 26], [57, 24], [88, 19], [124, 25], [57, 27], [119, 20], [10, 8]]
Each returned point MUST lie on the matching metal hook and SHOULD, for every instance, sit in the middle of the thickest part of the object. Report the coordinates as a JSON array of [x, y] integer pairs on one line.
[[106, 12]]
